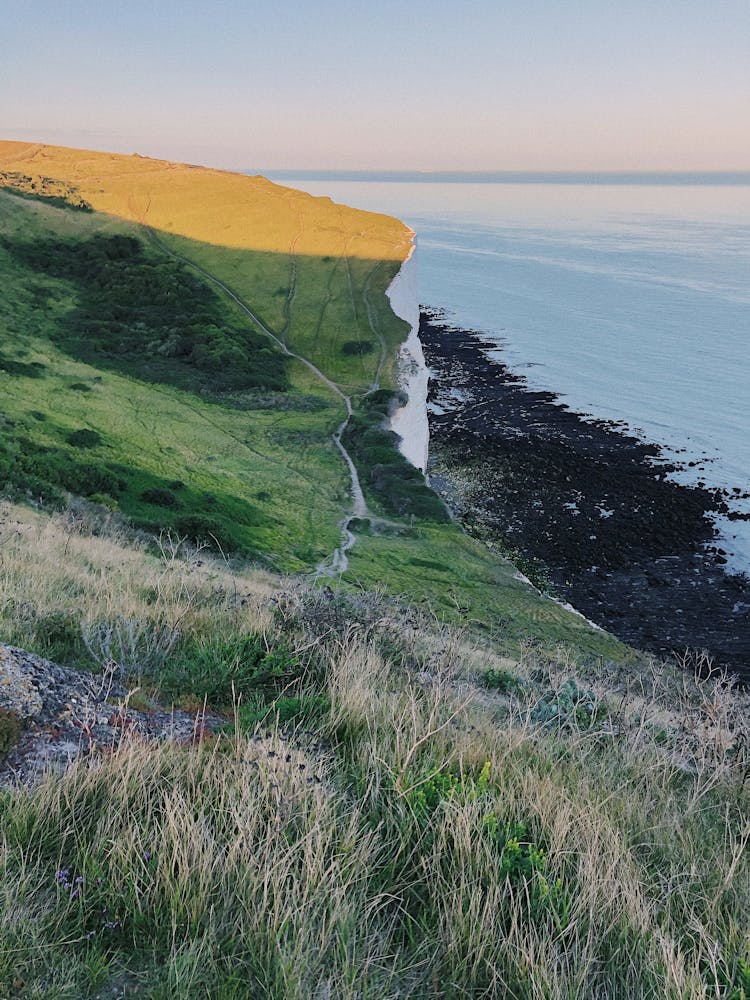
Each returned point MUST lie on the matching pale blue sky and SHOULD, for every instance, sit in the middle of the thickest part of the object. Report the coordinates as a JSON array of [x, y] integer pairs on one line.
[[503, 85]]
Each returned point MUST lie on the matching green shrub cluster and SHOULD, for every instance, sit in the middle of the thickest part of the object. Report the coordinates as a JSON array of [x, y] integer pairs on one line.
[[47, 472], [570, 706], [520, 858], [399, 487], [357, 347], [496, 679], [48, 189], [11, 366], [223, 670], [146, 315]]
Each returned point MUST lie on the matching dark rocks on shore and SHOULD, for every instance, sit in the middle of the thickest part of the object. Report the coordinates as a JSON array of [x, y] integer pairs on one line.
[[626, 545]]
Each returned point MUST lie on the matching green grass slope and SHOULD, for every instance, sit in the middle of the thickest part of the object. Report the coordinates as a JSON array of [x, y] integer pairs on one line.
[[131, 376], [388, 806], [257, 472]]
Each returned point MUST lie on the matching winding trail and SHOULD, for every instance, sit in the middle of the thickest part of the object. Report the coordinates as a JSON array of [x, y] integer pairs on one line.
[[338, 562]]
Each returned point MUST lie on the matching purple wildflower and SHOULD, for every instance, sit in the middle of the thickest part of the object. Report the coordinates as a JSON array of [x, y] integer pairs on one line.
[[62, 875]]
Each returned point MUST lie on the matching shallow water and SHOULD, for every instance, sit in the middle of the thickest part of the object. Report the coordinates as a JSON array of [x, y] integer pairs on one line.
[[632, 301]]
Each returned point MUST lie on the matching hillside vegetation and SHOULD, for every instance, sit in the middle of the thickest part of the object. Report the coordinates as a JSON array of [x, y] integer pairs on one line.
[[133, 374], [392, 811], [416, 778]]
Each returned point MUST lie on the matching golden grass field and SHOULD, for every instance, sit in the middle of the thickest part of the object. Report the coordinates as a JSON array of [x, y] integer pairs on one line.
[[213, 206]]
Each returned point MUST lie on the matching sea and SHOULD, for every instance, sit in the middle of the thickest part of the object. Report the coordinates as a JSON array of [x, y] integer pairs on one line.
[[627, 295]]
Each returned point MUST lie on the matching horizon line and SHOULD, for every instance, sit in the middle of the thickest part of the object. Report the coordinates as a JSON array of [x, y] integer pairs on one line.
[[730, 177]]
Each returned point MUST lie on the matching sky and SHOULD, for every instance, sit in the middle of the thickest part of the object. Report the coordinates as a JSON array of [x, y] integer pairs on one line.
[[589, 85]]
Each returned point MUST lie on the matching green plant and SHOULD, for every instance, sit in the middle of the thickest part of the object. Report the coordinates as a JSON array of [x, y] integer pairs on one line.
[[148, 315], [496, 679], [57, 636], [223, 670], [160, 497], [304, 709], [84, 438], [569, 706], [394, 481]]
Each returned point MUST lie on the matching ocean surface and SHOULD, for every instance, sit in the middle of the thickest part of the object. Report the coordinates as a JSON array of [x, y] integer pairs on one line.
[[631, 300]]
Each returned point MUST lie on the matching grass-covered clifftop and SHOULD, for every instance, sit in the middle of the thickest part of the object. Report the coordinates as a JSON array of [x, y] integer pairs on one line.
[[423, 779], [132, 373]]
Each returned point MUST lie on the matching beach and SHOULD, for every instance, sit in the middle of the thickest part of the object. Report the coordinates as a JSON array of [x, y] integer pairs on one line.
[[594, 512]]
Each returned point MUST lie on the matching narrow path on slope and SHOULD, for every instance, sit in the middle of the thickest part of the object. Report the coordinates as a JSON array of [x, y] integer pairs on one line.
[[338, 562]]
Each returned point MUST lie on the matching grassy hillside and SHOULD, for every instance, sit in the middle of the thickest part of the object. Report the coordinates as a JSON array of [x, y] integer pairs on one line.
[[112, 390], [420, 780], [391, 811]]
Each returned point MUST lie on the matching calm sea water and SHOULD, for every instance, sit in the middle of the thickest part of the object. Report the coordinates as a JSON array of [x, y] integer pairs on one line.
[[630, 300]]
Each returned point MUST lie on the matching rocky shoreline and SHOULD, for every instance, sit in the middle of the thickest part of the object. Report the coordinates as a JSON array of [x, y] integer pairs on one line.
[[630, 548]]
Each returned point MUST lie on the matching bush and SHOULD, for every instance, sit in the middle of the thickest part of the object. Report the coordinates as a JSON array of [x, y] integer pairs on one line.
[[160, 497], [84, 438], [501, 680], [222, 670], [13, 367], [147, 315], [570, 706], [401, 489], [130, 646], [350, 347]]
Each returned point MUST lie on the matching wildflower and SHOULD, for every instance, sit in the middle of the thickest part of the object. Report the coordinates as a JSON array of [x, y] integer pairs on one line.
[[62, 875], [78, 880], [147, 855]]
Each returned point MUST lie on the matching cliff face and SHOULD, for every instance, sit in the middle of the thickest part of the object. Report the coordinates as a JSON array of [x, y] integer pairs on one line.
[[410, 421]]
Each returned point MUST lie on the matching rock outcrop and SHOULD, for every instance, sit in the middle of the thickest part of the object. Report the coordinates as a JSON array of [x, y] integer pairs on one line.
[[68, 713]]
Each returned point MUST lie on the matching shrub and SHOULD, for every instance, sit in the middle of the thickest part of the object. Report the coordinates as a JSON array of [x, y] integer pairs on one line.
[[350, 347], [84, 438], [147, 315], [501, 680], [570, 706], [401, 489], [12, 367], [129, 645], [160, 497], [222, 670]]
